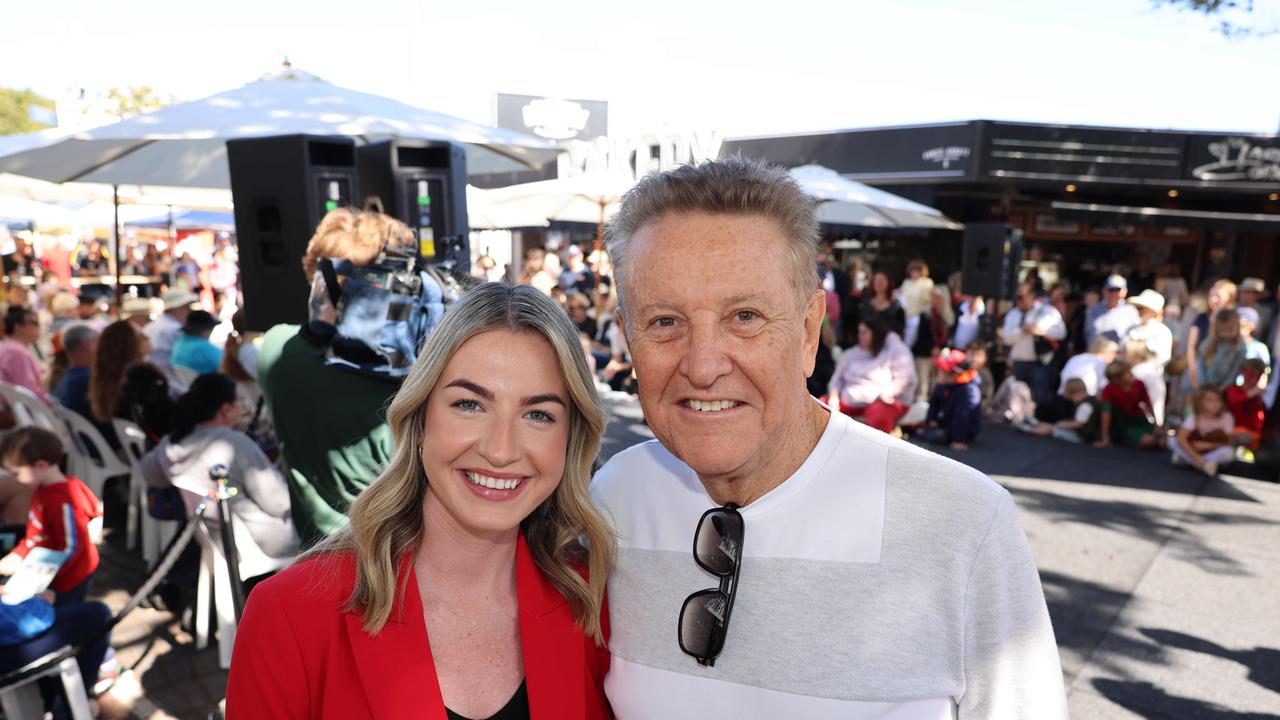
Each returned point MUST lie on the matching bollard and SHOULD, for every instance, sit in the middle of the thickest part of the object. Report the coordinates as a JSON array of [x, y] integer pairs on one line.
[[220, 474]]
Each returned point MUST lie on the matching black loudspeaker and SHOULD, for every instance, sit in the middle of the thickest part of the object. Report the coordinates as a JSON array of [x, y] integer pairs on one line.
[[424, 184], [992, 252], [282, 186]]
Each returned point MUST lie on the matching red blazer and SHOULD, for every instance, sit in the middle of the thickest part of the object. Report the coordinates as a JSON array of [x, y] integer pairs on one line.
[[298, 654]]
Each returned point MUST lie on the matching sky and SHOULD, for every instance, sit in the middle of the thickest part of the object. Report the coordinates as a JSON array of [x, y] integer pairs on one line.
[[742, 68]]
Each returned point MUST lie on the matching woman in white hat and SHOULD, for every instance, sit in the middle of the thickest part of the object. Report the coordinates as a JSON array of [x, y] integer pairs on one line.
[[1149, 347]]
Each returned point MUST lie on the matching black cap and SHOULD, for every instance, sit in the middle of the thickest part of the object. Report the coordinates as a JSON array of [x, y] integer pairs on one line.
[[199, 321]]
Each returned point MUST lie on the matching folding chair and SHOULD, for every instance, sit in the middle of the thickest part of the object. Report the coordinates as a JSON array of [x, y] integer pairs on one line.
[[97, 460], [22, 700], [214, 583], [155, 534], [30, 410]]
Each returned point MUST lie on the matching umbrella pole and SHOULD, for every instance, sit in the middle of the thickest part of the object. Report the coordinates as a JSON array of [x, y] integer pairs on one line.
[[115, 255], [600, 229]]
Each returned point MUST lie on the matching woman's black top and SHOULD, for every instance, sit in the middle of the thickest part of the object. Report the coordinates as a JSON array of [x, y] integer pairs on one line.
[[145, 400], [894, 314], [588, 326], [517, 708]]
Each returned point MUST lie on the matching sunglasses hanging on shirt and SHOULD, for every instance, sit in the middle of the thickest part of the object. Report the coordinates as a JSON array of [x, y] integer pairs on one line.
[[704, 617]]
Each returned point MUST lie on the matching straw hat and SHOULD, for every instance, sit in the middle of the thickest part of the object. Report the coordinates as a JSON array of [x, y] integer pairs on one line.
[[179, 298]]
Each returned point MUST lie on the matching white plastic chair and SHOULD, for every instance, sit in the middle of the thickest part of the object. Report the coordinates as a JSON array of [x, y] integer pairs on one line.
[[23, 699], [30, 410], [87, 441], [155, 534], [214, 582]]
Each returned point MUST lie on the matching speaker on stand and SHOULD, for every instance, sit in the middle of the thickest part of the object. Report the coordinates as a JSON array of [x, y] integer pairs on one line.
[[282, 186], [424, 184]]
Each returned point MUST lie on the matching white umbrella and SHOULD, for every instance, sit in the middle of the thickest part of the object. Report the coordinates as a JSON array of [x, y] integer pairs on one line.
[[184, 145], [483, 214], [35, 212], [848, 202], [587, 198], [590, 198]]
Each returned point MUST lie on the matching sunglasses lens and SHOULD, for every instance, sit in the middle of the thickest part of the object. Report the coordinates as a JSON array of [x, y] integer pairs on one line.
[[717, 542], [702, 623]]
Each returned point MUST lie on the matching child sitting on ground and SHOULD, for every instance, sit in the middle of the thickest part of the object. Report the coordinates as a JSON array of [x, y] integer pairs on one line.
[[1126, 410], [1204, 439], [61, 508], [1245, 403], [1083, 418], [955, 403]]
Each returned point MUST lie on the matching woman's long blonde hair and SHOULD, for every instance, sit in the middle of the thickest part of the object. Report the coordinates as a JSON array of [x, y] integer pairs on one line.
[[386, 519]]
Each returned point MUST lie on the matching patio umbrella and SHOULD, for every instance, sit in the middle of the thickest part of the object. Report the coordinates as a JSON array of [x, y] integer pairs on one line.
[[184, 145], [848, 202], [587, 198], [483, 214]]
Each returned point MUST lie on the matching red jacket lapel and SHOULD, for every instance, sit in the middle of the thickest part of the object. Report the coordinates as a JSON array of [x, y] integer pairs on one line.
[[399, 677], [395, 667], [553, 647]]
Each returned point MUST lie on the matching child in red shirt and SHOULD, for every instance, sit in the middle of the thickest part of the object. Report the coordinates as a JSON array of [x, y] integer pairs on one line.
[[1126, 410], [61, 509], [1245, 402]]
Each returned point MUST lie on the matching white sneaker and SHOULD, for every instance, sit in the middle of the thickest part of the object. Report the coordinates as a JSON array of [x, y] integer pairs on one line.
[[1210, 469]]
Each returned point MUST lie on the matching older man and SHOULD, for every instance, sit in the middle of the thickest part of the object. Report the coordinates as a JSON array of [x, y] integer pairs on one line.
[[1113, 317], [837, 572]]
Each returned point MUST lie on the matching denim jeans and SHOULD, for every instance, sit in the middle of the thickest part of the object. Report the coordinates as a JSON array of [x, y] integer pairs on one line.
[[1042, 379]]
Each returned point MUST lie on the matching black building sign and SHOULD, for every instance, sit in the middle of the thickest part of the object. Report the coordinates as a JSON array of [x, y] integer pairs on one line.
[[1234, 159], [553, 118], [991, 151], [1075, 153]]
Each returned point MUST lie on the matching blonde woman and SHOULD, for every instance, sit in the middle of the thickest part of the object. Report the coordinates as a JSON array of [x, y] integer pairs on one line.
[[460, 588]]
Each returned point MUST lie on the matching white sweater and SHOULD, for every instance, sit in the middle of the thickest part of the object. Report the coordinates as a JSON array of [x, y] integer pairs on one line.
[[878, 581]]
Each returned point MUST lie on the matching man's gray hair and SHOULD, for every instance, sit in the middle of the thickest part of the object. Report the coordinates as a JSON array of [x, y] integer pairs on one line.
[[730, 186], [77, 335]]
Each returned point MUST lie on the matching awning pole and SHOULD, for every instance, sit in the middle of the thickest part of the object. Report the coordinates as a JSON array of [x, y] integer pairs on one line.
[[115, 202]]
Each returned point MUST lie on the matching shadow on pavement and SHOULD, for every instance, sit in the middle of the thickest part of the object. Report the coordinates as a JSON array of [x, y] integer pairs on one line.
[[1176, 527], [1001, 450], [1263, 663], [1083, 612], [1152, 702]]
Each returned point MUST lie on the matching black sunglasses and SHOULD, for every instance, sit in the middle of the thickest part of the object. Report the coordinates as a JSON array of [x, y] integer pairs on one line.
[[704, 617]]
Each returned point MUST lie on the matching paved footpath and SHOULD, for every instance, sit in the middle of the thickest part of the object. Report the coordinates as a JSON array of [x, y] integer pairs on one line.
[[1164, 586]]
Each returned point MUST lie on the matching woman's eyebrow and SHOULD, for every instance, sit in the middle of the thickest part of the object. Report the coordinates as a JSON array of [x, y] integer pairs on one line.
[[473, 387], [544, 398]]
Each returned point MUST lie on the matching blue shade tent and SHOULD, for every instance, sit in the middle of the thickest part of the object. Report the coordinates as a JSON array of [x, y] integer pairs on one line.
[[188, 220]]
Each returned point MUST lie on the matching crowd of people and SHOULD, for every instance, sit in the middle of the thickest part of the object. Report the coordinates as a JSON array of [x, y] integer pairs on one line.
[[1088, 364], [151, 362], [342, 471]]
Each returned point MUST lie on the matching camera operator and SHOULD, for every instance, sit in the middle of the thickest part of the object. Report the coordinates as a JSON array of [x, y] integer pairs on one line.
[[331, 421]]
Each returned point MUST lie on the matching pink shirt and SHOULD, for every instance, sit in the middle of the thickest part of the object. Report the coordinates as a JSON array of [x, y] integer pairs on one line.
[[18, 367], [1205, 424], [863, 378]]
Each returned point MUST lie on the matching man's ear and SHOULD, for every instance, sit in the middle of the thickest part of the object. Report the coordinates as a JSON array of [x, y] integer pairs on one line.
[[814, 312], [620, 318]]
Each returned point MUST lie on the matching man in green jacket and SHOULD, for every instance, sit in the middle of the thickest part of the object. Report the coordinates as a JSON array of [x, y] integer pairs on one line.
[[331, 421]]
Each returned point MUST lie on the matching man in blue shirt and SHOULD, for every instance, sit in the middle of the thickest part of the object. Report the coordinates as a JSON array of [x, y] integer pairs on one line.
[[193, 350], [80, 343]]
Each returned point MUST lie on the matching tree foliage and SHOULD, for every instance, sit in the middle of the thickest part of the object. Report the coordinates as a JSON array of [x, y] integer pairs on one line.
[[15, 108], [134, 100], [1236, 18]]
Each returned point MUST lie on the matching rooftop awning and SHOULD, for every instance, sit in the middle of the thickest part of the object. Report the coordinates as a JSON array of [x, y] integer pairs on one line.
[[1163, 216]]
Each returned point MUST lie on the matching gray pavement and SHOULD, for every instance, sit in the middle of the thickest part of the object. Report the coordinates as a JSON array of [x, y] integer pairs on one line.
[[1163, 585]]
